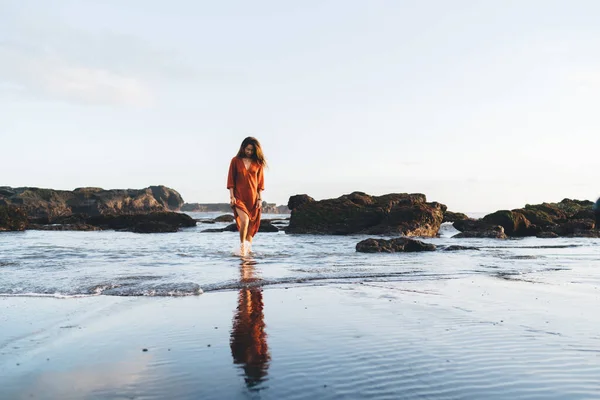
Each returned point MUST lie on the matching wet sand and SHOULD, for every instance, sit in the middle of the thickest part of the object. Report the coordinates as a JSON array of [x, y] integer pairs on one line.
[[482, 337]]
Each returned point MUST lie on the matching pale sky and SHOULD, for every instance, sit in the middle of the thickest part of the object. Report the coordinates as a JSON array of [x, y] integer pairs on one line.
[[480, 105]]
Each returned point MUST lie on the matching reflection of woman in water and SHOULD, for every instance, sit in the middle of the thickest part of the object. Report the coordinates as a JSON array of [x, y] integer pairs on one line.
[[248, 337], [245, 183]]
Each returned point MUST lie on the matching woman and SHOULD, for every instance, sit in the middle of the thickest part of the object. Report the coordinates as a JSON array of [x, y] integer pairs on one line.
[[245, 183]]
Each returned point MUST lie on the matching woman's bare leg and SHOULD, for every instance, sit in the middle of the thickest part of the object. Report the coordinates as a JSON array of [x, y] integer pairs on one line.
[[244, 222]]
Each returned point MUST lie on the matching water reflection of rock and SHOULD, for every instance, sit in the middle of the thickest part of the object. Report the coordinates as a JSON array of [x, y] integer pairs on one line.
[[248, 337]]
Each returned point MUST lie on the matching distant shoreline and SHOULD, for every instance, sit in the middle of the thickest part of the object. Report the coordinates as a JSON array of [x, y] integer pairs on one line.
[[267, 208]]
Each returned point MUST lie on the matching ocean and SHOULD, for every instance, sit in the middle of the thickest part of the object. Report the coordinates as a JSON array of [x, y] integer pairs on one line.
[[516, 318]]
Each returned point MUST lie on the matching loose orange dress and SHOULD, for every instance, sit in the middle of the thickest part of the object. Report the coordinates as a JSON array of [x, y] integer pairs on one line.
[[246, 183]]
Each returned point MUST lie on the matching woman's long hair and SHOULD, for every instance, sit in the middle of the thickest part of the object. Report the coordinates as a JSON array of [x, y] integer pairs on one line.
[[258, 155]]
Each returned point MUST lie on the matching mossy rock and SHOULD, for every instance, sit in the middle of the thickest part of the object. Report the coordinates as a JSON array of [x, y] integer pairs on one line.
[[13, 219]]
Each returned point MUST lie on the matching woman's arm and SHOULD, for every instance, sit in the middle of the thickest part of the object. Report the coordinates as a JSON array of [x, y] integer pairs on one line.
[[231, 197], [231, 181], [261, 187]]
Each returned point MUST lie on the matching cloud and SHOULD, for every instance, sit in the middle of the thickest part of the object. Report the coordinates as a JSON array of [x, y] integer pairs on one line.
[[44, 58], [44, 73], [94, 85]]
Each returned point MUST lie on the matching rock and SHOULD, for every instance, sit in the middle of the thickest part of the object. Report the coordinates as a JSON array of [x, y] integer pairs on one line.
[[154, 227], [594, 233], [513, 222], [299, 200], [225, 218], [170, 198], [471, 225], [495, 232], [231, 228], [450, 216], [456, 248], [63, 227], [47, 206], [265, 226], [567, 218], [359, 213], [144, 223], [393, 245], [546, 235], [574, 227], [12, 218]]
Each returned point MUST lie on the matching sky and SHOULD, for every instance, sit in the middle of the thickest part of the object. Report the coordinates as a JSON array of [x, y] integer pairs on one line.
[[479, 105]]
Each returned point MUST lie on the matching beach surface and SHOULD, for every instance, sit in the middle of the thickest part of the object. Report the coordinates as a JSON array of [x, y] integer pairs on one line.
[[462, 338]]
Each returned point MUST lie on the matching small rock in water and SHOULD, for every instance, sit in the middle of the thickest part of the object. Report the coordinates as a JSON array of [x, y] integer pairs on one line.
[[144, 349]]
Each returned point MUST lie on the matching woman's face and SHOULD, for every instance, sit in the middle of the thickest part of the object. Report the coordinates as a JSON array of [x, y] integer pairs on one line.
[[249, 150]]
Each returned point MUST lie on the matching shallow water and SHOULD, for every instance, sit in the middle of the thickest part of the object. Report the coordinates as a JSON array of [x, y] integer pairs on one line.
[[42, 263], [514, 319]]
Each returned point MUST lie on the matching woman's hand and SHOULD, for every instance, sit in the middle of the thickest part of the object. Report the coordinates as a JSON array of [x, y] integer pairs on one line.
[[232, 201], [258, 203]]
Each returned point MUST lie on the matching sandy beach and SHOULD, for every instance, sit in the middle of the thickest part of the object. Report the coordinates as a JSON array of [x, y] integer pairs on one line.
[[481, 337]]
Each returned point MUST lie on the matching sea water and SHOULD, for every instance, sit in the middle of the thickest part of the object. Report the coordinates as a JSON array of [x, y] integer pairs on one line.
[[192, 262]]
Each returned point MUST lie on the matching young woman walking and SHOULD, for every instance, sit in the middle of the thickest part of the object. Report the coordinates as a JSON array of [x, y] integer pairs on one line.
[[245, 183]]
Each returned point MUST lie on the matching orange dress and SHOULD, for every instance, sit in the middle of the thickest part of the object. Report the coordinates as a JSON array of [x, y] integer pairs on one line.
[[246, 184]]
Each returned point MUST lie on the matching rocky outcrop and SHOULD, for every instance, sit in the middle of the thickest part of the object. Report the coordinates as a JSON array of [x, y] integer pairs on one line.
[[225, 218], [393, 245], [491, 232], [450, 216], [45, 206], [63, 227], [359, 213], [143, 223], [459, 248], [265, 226], [573, 218], [13, 218], [298, 200]]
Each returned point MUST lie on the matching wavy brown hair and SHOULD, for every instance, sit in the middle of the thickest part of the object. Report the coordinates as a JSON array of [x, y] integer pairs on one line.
[[258, 155]]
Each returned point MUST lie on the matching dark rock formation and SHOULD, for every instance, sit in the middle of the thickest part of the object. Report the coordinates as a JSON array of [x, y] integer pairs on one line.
[[45, 206], [450, 216], [393, 245], [491, 232], [143, 223], [567, 218], [12, 218], [265, 226], [513, 222], [225, 218], [298, 200], [403, 214], [457, 248], [63, 227], [547, 235]]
